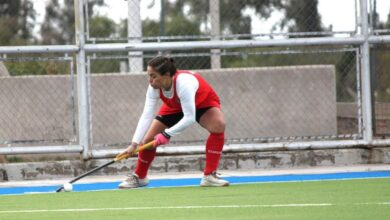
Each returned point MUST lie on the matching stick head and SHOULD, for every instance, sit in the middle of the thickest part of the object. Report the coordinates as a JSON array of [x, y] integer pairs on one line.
[[60, 189]]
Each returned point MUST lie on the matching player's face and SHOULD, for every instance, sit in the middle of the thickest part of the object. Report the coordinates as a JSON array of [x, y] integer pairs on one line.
[[158, 81]]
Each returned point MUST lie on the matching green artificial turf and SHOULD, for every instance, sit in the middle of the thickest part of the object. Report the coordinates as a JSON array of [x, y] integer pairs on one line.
[[341, 199]]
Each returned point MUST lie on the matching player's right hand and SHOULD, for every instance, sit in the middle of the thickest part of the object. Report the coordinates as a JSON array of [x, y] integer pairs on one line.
[[131, 149]]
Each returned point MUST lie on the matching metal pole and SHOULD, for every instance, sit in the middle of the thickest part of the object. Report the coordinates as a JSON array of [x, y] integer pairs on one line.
[[226, 44], [41, 149], [215, 33], [359, 94], [134, 31], [365, 68], [162, 18], [186, 45], [379, 39], [235, 148], [357, 23], [39, 49], [82, 88]]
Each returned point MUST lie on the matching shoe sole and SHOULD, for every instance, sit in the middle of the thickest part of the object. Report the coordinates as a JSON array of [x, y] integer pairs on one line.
[[211, 185], [130, 187]]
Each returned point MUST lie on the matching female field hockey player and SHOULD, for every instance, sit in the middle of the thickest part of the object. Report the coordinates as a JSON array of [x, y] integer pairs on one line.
[[187, 98]]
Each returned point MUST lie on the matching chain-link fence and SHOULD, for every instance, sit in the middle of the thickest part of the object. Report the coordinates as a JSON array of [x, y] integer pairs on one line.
[[38, 97], [25, 22], [380, 88], [282, 92], [166, 20], [266, 95]]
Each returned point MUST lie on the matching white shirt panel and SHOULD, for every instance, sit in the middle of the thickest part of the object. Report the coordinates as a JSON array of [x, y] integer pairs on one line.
[[186, 87]]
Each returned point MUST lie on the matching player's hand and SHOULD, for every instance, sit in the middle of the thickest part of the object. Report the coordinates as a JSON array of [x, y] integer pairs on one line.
[[161, 139], [131, 149]]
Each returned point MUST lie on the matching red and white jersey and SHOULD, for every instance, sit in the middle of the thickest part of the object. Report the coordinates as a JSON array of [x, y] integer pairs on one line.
[[205, 96], [189, 92]]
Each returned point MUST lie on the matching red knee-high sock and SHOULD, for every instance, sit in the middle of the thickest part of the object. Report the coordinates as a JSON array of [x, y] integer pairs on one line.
[[144, 161], [214, 146]]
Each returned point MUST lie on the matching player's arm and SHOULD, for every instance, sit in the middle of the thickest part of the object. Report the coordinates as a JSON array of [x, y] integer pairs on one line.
[[186, 87], [146, 118]]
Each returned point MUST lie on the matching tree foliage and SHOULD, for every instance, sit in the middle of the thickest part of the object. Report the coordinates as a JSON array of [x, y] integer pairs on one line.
[[102, 27], [302, 16], [58, 26], [299, 15], [380, 65], [16, 21], [232, 17]]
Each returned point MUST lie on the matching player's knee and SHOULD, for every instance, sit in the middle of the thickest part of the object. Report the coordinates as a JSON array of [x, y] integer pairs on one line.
[[218, 127]]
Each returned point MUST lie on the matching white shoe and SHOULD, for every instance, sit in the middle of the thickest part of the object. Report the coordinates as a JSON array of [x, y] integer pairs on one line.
[[133, 181], [213, 180]]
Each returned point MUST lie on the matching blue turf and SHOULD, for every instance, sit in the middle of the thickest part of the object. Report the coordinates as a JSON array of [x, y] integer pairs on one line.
[[195, 181]]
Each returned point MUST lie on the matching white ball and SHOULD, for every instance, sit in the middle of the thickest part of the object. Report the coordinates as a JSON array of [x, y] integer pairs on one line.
[[68, 187]]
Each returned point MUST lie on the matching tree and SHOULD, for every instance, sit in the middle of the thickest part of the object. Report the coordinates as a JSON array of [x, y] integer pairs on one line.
[[302, 16], [58, 26], [377, 24], [232, 17], [101, 26], [380, 66], [16, 21], [175, 23]]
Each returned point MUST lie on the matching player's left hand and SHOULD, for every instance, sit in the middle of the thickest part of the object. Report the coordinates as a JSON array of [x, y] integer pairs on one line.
[[161, 139]]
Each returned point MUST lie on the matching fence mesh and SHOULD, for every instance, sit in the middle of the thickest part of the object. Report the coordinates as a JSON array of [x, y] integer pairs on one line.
[[380, 88], [266, 95], [166, 20], [38, 97], [26, 22]]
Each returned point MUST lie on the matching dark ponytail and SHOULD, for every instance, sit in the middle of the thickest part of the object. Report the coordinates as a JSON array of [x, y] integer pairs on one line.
[[163, 65]]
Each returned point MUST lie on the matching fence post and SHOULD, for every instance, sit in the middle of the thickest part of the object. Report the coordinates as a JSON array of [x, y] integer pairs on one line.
[[134, 31], [365, 68], [215, 32], [82, 88]]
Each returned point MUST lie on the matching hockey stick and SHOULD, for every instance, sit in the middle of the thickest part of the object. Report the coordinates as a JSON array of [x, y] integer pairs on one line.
[[119, 157]]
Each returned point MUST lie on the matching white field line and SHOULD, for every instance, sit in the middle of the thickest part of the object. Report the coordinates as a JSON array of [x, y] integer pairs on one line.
[[375, 203], [166, 207], [184, 207]]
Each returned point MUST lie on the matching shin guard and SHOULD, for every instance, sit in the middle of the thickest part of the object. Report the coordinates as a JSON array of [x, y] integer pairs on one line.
[[145, 159], [214, 146]]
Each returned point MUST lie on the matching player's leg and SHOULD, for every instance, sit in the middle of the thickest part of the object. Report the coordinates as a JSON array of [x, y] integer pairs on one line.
[[214, 122], [145, 159]]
